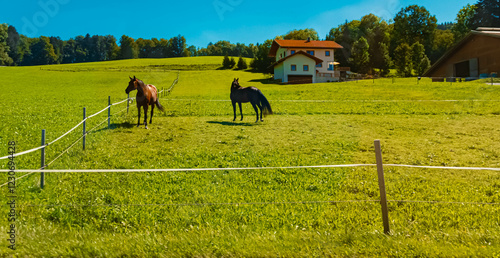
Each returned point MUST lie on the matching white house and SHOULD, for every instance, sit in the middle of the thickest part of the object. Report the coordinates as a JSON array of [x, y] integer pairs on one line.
[[304, 61]]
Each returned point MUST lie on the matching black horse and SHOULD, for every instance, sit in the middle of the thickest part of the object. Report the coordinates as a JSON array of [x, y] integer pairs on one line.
[[249, 94]]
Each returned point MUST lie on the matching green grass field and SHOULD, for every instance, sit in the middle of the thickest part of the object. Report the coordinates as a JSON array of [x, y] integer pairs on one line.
[[250, 213]]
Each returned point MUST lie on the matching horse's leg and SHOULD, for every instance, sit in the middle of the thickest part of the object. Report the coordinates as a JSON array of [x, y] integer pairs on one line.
[[151, 118], [138, 116], [256, 112], [146, 116], [260, 108], [241, 111], [234, 110]]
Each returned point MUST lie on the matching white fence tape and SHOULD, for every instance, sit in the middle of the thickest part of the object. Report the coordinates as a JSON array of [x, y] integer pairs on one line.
[[229, 169], [347, 100], [180, 169], [72, 129], [66, 133], [442, 167]]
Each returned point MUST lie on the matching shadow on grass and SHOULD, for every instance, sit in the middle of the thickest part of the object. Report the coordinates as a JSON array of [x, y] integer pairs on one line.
[[112, 126], [232, 123], [266, 81]]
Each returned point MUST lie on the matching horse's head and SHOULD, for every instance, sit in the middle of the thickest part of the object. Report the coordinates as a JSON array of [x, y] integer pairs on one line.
[[132, 85], [235, 83]]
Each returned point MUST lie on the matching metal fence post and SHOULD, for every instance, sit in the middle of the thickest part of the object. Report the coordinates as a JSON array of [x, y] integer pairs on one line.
[[109, 112], [84, 125], [42, 162], [381, 184], [128, 101]]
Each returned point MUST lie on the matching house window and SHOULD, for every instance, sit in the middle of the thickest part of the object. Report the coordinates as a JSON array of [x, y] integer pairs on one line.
[[292, 52], [330, 67], [327, 53], [294, 67], [310, 52], [306, 68], [319, 65]]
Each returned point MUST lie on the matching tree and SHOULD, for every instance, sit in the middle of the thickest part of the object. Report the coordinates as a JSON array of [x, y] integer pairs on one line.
[[377, 32], [302, 34], [403, 60], [487, 14], [345, 34], [145, 47], [69, 51], [128, 48], [58, 45], [112, 49], [232, 62], [372, 28], [262, 62], [192, 50], [13, 43], [23, 48], [443, 40], [178, 44], [5, 59], [226, 63], [414, 24], [41, 52], [420, 61], [242, 64], [385, 62], [360, 57], [464, 22]]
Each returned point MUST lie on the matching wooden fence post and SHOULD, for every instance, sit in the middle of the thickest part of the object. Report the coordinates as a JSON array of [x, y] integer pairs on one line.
[[42, 161], [84, 126], [109, 112], [381, 184]]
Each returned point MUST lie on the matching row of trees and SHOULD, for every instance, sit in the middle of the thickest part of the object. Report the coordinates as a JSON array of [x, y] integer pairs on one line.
[[16, 49], [371, 45], [411, 42], [228, 63]]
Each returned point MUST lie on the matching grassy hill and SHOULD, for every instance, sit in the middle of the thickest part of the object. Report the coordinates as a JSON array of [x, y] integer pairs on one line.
[[274, 212]]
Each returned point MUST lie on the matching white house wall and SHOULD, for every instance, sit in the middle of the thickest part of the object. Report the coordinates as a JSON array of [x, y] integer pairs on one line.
[[279, 72], [319, 53], [300, 61]]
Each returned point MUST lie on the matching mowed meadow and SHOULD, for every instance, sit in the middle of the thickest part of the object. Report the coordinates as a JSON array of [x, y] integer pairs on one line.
[[252, 213]]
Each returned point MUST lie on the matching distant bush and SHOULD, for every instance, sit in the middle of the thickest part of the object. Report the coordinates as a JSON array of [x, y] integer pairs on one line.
[[242, 64]]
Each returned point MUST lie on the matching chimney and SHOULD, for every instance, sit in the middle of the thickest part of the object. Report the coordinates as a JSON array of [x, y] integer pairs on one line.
[[308, 39]]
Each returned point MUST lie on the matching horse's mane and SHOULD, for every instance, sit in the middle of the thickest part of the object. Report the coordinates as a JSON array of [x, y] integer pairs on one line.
[[141, 85]]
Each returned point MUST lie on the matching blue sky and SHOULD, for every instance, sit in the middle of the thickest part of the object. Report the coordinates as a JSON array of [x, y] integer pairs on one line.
[[201, 22]]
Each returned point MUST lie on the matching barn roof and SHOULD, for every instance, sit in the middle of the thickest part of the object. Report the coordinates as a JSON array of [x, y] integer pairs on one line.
[[490, 32]]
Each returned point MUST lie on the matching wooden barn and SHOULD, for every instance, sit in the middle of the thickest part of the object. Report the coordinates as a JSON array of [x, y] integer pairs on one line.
[[475, 56]]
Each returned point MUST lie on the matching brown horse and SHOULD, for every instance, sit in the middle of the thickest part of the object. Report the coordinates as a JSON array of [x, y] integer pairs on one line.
[[146, 95], [249, 94]]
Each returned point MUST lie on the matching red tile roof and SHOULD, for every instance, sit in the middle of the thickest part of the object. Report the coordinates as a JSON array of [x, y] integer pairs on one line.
[[313, 44]]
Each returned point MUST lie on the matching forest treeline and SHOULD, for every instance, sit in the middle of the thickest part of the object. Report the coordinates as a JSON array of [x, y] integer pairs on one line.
[[409, 43]]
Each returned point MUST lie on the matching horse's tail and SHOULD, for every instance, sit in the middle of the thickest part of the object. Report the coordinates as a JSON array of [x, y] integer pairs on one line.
[[159, 106], [266, 107]]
